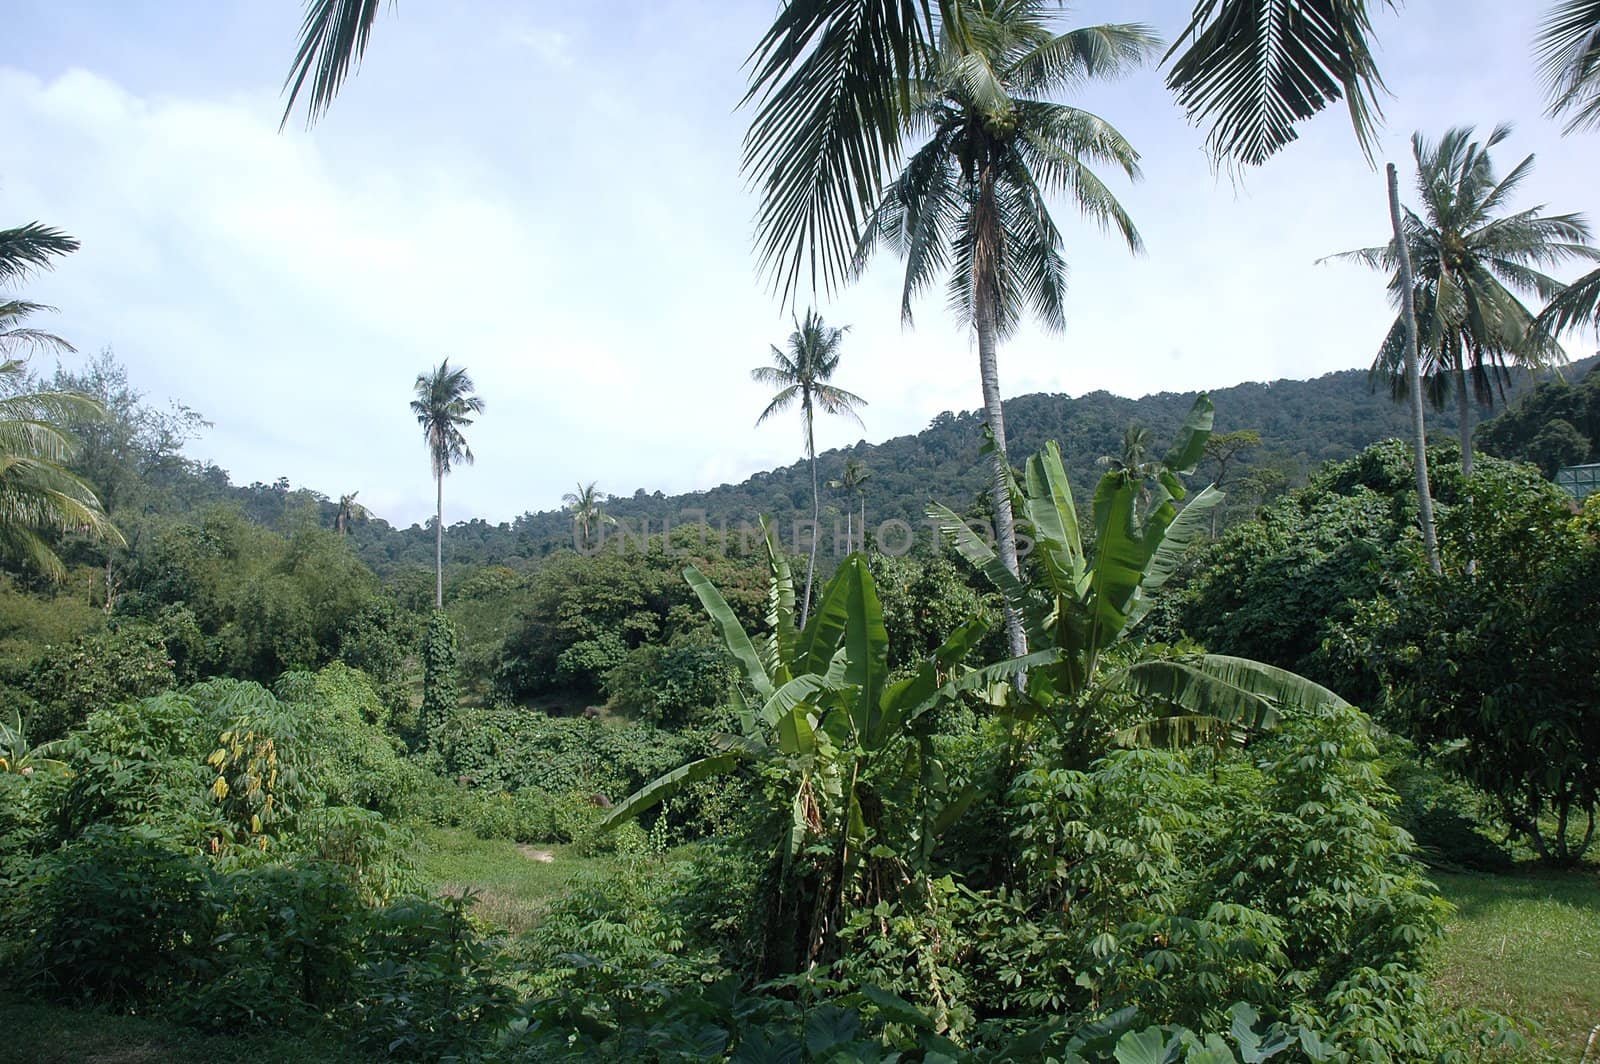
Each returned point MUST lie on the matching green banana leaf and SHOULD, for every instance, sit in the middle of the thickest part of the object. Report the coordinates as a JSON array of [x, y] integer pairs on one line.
[[664, 787], [732, 632]]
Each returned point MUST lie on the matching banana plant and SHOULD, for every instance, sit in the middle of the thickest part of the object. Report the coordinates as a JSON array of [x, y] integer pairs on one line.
[[818, 705], [18, 755], [1084, 599]]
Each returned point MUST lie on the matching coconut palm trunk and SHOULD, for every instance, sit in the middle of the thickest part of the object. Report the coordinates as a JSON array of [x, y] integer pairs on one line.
[[438, 541], [1464, 411], [1419, 435], [816, 510], [986, 239]]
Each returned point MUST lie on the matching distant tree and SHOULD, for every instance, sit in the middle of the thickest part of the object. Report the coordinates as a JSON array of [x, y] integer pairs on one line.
[[1222, 450], [801, 374], [853, 483], [587, 506], [970, 200], [348, 513], [443, 406], [1557, 445], [1471, 260], [1135, 451]]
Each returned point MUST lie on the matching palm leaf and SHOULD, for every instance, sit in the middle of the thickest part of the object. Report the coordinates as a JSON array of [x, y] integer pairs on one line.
[[665, 787], [732, 632], [1253, 69]]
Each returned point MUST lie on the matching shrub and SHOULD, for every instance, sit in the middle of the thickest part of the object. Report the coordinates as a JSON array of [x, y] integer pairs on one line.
[[116, 916]]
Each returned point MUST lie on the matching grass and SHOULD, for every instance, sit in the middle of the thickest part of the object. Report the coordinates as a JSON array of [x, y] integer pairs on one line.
[[513, 887], [49, 1034], [1526, 945]]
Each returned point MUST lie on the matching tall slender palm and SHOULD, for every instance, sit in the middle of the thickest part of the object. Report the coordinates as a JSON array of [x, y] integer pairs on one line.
[[444, 406], [801, 374], [1471, 261], [853, 482], [587, 506], [38, 496], [970, 202]]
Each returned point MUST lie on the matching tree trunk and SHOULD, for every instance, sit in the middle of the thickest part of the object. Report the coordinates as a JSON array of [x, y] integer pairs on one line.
[[438, 543], [1464, 409], [816, 513], [1419, 436], [863, 522], [1005, 529]]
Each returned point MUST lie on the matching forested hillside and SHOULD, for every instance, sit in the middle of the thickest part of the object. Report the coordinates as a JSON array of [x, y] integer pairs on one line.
[[1301, 425]]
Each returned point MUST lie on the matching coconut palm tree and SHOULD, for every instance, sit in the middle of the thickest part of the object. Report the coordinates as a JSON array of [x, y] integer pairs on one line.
[[38, 496], [1472, 260], [348, 513], [801, 374], [853, 483], [1568, 47], [586, 505], [444, 406], [970, 203], [23, 250]]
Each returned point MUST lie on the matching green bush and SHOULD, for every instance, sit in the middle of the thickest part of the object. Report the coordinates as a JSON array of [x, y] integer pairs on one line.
[[116, 916], [93, 672]]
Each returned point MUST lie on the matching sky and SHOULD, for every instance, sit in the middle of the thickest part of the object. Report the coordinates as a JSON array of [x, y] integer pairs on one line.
[[549, 194]]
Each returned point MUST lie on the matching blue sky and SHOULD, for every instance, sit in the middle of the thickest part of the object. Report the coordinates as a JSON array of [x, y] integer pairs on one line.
[[549, 194]]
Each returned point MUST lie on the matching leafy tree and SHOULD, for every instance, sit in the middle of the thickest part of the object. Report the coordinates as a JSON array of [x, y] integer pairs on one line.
[[1575, 404], [801, 373], [1557, 445], [587, 509], [439, 660], [971, 199], [1494, 668], [443, 404], [1471, 261]]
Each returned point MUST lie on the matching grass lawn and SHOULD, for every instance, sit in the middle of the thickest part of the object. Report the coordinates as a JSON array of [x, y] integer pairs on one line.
[[513, 885], [1527, 945]]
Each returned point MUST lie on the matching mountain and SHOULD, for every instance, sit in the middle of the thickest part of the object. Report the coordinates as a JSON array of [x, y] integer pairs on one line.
[[1302, 423]]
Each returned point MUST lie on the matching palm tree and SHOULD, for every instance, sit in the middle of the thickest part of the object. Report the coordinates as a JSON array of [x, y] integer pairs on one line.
[[853, 482], [1471, 261], [832, 81], [1568, 47], [348, 513], [586, 506], [971, 201], [37, 493], [443, 407], [801, 375], [23, 250]]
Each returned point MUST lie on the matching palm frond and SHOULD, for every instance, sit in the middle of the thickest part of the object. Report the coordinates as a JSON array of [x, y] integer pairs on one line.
[[1253, 69], [333, 37], [1568, 49], [831, 82]]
